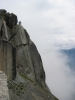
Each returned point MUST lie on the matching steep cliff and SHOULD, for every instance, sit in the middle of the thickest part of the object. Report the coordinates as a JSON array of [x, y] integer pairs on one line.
[[21, 62]]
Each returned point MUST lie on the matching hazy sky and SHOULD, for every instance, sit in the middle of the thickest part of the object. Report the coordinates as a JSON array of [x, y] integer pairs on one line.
[[51, 25]]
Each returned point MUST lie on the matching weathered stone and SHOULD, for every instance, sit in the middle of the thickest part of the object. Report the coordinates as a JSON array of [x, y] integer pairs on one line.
[[21, 61], [37, 65], [8, 59], [3, 30], [28, 56], [21, 36], [11, 20], [28, 90], [24, 62], [4, 95], [3, 13]]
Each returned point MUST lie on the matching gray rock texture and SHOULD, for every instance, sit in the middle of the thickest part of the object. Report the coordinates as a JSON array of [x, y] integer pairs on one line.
[[21, 62], [10, 18], [7, 59], [3, 87]]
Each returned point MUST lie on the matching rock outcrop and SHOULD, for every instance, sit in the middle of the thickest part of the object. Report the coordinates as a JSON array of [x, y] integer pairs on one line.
[[21, 62], [4, 95]]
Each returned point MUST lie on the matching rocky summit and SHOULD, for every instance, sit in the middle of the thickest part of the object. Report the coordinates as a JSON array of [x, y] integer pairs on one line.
[[21, 62]]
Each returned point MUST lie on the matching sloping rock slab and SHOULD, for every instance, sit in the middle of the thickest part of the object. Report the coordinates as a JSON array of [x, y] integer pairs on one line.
[[27, 89], [8, 59]]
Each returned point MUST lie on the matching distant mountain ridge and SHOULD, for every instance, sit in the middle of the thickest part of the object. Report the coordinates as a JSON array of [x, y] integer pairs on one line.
[[70, 53]]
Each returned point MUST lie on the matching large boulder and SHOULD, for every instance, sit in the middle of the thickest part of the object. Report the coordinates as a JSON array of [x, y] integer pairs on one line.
[[28, 59], [21, 61], [10, 18]]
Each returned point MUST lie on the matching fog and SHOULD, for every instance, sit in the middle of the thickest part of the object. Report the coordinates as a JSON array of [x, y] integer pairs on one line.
[[60, 79], [50, 23]]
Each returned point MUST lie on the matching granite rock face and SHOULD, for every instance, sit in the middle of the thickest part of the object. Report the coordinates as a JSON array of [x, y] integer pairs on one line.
[[4, 95], [21, 62], [7, 59], [10, 18]]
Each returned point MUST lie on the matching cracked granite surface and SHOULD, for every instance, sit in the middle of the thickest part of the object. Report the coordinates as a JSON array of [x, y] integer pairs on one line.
[[3, 87]]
